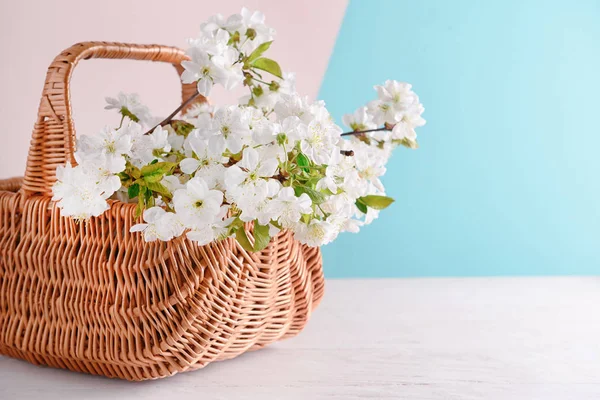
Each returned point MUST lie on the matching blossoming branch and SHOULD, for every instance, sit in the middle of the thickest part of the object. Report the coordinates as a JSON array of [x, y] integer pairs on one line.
[[275, 159]]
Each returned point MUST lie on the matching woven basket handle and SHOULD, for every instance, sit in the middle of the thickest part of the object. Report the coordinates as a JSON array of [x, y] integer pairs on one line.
[[53, 138]]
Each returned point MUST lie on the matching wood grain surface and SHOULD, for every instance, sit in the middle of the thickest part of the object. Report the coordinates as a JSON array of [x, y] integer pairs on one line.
[[468, 338]]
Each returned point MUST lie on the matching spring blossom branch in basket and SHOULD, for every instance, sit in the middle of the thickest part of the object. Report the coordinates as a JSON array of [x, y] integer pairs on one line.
[[275, 159]]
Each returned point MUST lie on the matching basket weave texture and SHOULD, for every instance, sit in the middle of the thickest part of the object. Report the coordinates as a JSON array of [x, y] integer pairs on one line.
[[94, 298]]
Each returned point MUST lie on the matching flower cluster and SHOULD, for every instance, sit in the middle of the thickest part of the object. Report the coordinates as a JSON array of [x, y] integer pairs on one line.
[[276, 159]]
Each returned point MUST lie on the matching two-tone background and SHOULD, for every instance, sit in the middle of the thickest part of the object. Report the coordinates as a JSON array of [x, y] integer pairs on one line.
[[506, 179]]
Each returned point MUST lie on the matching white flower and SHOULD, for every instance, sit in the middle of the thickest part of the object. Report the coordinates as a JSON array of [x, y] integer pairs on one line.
[[259, 207], [207, 165], [77, 193], [228, 129], [158, 139], [213, 63], [344, 224], [246, 179], [144, 147], [201, 69], [204, 156], [217, 230], [197, 205], [288, 208], [338, 169], [174, 140], [213, 43], [395, 99], [160, 225], [263, 99], [113, 143], [314, 234], [268, 96], [288, 84], [283, 138], [341, 205], [290, 131], [329, 181], [398, 94], [230, 73], [360, 120], [263, 129], [402, 130], [129, 103], [293, 105], [197, 109], [411, 118], [319, 142], [102, 170], [370, 163], [383, 112], [213, 175], [254, 22], [211, 232], [216, 22], [342, 177], [172, 183]]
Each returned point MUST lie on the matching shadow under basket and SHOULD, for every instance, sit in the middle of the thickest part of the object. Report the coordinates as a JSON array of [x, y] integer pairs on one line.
[[95, 298]]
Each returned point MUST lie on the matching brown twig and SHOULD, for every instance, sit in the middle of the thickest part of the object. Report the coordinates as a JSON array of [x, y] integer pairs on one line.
[[174, 113], [385, 128]]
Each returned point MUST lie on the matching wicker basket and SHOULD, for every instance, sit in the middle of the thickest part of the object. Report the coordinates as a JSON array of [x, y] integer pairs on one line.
[[94, 298]]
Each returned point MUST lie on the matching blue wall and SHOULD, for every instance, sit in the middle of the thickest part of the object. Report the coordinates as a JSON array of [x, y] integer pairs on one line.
[[506, 180]]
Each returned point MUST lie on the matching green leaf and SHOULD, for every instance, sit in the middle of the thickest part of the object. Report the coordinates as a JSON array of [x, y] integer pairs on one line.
[[268, 65], [141, 204], [259, 51], [125, 177], [159, 188], [155, 172], [148, 197], [376, 202], [316, 196], [139, 208], [237, 223], [261, 236], [361, 206], [276, 225], [303, 162], [240, 236], [134, 171], [133, 190]]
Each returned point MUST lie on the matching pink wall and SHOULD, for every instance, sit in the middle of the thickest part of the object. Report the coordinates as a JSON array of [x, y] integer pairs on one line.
[[33, 32]]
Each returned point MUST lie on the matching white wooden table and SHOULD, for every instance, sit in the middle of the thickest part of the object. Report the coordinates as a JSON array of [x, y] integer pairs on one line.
[[472, 338]]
